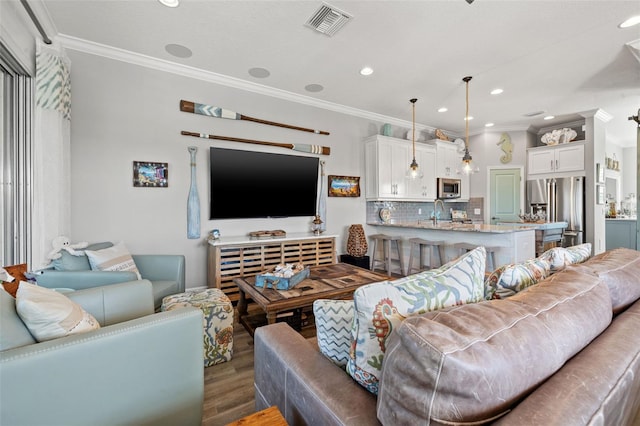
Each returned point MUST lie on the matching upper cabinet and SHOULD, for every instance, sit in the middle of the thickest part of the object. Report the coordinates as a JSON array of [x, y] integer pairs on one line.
[[449, 164], [556, 160], [386, 163]]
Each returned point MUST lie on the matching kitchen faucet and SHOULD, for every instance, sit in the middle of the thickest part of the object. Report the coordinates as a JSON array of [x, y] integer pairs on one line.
[[435, 210]]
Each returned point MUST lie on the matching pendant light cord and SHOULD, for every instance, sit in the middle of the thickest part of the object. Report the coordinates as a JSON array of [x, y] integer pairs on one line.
[[413, 137], [466, 115]]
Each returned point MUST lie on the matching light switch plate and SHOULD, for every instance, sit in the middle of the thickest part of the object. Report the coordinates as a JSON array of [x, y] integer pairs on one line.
[[476, 211]]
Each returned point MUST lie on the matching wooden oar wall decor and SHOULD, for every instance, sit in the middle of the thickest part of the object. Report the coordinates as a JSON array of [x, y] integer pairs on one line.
[[218, 112], [313, 149]]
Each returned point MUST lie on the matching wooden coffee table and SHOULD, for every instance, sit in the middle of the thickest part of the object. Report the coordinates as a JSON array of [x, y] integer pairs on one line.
[[334, 281]]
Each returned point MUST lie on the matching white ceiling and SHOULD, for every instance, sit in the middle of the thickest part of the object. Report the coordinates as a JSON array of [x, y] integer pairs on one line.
[[560, 57]]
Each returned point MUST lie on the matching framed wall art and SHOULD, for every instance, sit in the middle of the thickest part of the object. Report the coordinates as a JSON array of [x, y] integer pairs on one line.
[[148, 174], [344, 186], [599, 173], [600, 194]]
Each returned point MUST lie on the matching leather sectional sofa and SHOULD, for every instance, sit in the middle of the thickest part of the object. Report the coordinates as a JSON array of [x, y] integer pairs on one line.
[[565, 351]]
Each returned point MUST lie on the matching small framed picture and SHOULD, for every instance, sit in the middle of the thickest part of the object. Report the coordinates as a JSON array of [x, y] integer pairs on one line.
[[150, 175], [344, 186], [599, 173], [600, 194]]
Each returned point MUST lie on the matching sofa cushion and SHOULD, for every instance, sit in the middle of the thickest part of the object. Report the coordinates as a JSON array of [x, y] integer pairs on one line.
[[333, 320], [116, 258], [381, 307], [472, 363], [13, 332], [49, 314], [620, 270], [69, 262], [513, 278]]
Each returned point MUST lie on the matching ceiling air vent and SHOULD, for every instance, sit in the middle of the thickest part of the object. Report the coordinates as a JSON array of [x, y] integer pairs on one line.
[[328, 19]]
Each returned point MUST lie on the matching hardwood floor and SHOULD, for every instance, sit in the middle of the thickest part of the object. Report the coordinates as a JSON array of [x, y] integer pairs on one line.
[[228, 387]]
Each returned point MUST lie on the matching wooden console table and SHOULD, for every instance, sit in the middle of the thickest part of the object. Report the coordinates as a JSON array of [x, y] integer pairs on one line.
[[337, 281], [237, 257]]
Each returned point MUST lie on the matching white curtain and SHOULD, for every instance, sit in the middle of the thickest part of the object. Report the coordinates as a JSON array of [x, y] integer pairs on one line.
[[52, 182]]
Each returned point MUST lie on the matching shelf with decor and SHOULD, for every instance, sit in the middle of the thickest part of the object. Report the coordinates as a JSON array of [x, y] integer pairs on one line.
[[240, 257]]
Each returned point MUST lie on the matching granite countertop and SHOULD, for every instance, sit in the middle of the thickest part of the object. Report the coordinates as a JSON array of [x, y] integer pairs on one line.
[[631, 219], [538, 226], [454, 226]]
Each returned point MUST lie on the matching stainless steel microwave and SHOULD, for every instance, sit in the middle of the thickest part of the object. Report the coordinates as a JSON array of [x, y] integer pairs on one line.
[[448, 188]]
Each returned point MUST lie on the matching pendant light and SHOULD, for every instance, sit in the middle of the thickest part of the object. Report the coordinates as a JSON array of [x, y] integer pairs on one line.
[[414, 171], [467, 161]]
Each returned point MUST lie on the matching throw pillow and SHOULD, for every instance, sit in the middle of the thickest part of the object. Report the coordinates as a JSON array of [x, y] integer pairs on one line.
[[511, 279], [50, 315], [333, 328], [10, 277], [381, 307], [69, 262], [577, 254], [116, 258], [556, 258]]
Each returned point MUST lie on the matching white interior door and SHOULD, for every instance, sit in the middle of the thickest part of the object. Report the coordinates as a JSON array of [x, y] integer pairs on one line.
[[506, 194]]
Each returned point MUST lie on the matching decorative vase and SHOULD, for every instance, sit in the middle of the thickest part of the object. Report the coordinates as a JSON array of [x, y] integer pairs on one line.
[[357, 241], [193, 202]]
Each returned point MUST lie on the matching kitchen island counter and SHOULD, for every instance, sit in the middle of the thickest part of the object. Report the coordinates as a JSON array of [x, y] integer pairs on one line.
[[513, 243]]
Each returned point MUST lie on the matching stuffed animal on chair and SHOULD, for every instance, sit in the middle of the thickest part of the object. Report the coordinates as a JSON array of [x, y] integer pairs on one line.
[[63, 243]]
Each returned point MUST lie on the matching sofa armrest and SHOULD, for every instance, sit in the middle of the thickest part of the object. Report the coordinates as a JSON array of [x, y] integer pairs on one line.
[[144, 371], [112, 304], [307, 388], [161, 267], [79, 280]]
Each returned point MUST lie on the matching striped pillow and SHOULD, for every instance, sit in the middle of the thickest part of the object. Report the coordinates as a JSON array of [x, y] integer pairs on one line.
[[333, 328]]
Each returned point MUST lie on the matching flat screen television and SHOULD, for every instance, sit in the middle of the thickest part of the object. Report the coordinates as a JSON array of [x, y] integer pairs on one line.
[[249, 184]]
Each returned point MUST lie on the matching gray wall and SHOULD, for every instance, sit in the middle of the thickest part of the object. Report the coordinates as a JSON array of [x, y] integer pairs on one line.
[[123, 113]]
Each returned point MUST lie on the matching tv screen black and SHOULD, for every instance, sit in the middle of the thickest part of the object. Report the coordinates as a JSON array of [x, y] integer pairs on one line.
[[249, 184]]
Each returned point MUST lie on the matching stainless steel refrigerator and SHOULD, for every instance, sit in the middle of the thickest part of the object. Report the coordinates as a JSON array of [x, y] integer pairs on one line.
[[563, 201]]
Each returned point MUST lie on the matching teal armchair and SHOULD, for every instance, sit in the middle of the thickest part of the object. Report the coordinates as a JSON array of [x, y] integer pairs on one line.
[[139, 368], [165, 271]]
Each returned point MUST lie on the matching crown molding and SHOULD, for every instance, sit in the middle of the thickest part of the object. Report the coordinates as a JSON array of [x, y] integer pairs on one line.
[[80, 45]]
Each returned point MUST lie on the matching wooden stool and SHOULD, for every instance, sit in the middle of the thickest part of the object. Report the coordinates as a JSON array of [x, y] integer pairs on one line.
[[491, 257], [437, 247], [386, 260]]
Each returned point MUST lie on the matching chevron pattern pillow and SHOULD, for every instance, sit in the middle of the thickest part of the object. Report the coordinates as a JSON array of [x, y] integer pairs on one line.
[[333, 328]]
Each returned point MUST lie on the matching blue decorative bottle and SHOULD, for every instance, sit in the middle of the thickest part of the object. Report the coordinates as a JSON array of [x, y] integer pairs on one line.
[[193, 202]]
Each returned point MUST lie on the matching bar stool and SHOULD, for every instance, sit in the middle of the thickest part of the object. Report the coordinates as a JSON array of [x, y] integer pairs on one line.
[[387, 241], [491, 257], [436, 247]]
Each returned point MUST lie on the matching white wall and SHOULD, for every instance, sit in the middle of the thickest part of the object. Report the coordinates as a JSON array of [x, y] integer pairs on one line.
[[123, 113]]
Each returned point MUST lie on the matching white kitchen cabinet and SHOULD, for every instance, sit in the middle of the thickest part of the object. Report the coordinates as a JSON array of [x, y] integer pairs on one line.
[[386, 162], [423, 189], [449, 165], [558, 159]]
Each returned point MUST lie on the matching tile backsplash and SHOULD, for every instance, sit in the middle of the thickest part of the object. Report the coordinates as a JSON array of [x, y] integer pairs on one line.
[[407, 211]]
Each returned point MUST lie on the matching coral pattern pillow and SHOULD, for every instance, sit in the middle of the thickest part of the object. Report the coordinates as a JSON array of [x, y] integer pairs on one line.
[[381, 307], [49, 314], [116, 258], [333, 320], [511, 279]]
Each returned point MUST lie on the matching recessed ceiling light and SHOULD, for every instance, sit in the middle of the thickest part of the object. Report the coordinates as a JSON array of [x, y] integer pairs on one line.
[[443, 109], [314, 88], [489, 125], [469, 118], [259, 72], [170, 3], [496, 91], [178, 50], [634, 20], [550, 117], [366, 71]]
